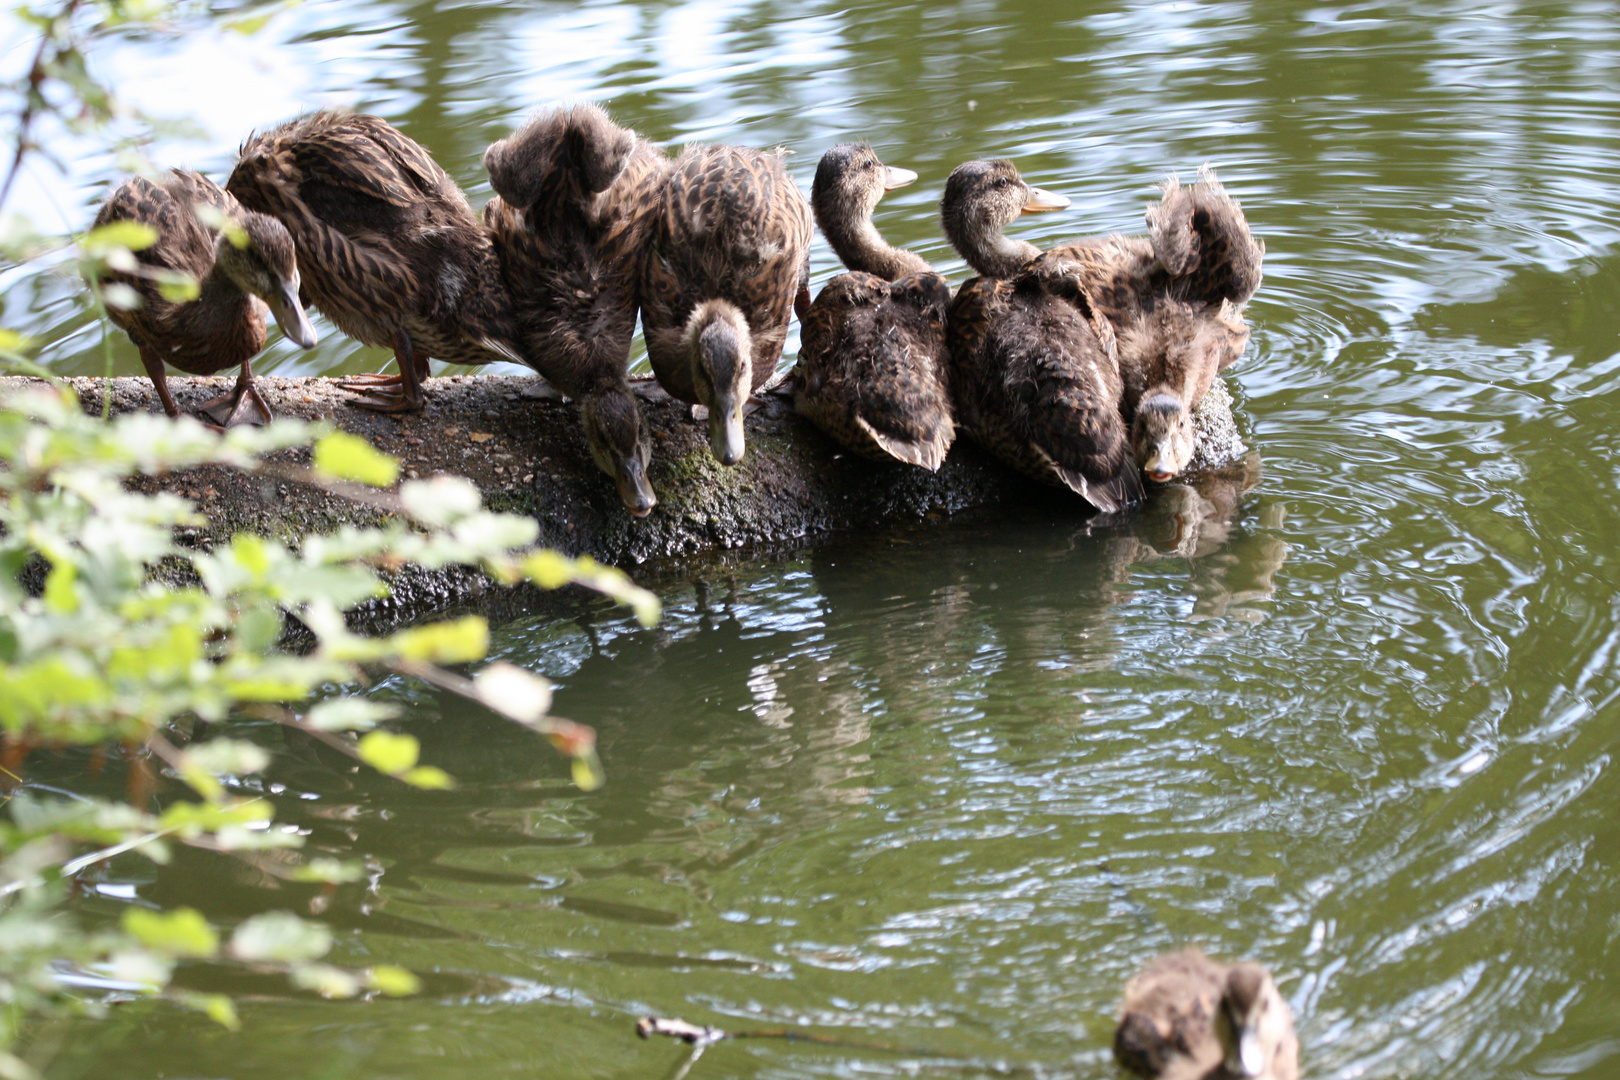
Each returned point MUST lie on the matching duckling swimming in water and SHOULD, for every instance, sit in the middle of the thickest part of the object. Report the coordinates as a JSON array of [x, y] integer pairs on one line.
[[387, 246], [225, 324], [575, 199], [727, 263], [1034, 377], [1186, 1017], [872, 360]]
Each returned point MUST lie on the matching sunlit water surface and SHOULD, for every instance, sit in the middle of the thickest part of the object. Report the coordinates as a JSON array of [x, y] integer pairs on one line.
[[944, 788]]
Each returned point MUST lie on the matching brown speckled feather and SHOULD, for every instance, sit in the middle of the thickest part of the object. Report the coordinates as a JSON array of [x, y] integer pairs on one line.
[[386, 241], [218, 330], [1187, 282], [1036, 385], [733, 226], [570, 259], [873, 366]]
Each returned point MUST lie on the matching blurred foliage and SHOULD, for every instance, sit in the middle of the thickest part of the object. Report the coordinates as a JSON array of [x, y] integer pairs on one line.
[[95, 650], [99, 648]]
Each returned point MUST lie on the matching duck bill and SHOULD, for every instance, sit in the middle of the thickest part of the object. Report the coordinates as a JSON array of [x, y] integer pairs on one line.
[[1251, 1060], [726, 431], [290, 315], [1039, 201], [634, 487], [898, 177], [1157, 466]]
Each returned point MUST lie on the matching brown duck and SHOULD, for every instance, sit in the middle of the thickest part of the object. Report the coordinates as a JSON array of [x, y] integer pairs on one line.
[[1175, 300], [387, 245], [225, 325], [727, 264], [1034, 377], [872, 365], [1186, 1017], [575, 198]]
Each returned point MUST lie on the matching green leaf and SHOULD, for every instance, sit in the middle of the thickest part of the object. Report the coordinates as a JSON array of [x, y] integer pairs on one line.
[[225, 757], [280, 936], [393, 981], [118, 236], [330, 871], [455, 641], [118, 295], [182, 932], [216, 219], [60, 596], [176, 287], [326, 980], [548, 569], [587, 771], [13, 344], [217, 1007], [258, 629], [349, 714], [428, 777], [349, 457], [514, 692], [440, 501], [389, 753]]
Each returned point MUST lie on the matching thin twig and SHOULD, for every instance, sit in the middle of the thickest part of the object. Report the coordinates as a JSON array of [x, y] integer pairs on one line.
[[33, 98]]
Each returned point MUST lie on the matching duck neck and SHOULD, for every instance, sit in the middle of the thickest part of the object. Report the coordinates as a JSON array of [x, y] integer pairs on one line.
[[223, 314], [862, 247], [998, 255]]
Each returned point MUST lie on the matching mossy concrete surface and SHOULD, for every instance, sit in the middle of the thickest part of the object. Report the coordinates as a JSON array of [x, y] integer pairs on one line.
[[523, 447]]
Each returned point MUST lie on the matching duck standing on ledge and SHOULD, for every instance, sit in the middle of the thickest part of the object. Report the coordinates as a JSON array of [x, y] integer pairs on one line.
[[1186, 1017], [1034, 377], [1175, 300], [727, 264], [575, 198], [872, 359], [225, 324], [387, 245]]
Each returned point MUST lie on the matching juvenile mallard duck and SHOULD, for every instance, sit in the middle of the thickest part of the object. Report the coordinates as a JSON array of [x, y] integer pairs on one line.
[[872, 360], [1187, 1017], [575, 197], [387, 245], [1175, 299], [1034, 378], [225, 325], [727, 263]]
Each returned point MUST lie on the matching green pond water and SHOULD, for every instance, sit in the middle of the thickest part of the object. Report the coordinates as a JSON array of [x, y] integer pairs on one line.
[[945, 787]]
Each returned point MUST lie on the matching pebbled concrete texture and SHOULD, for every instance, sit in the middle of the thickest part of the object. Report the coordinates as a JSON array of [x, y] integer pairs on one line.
[[523, 447]]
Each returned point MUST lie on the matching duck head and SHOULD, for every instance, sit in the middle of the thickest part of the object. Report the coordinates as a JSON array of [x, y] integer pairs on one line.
[[1162, 436], [620, 446], [720, 348], [260, 259], [1250, 1017], [981, 199]]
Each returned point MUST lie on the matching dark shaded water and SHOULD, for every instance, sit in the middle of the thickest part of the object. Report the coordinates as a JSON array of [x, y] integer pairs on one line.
[[946, 788]]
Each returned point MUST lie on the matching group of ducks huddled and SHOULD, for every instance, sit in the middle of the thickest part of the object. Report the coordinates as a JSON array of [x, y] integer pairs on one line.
[[1080, 365]]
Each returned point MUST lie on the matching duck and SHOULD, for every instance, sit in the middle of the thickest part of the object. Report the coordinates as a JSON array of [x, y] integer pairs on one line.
[[241, 273], [1175, 300], [1187, 1017], [575, 198], [872, 365], [726, 267], [387, 244], [1033, 369]]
